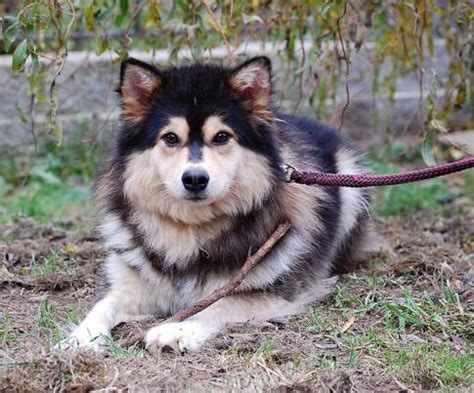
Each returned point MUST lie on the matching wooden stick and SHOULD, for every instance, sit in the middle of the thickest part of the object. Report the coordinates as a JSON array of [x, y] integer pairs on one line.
[[226, 290]]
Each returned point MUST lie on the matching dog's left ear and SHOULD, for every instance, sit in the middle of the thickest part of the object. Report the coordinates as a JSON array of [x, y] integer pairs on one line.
[[138, 83], [251, 83]]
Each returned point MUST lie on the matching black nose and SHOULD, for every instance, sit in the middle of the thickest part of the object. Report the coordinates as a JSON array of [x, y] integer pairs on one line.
[[195, 180]]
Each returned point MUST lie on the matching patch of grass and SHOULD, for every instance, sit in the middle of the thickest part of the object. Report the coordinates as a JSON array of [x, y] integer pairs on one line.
[[319, 321], [265, 352], [49, 265], [369, 342], [116, 351], [395, 152], [50, 184], [47, 321], [432, 367], [6, 332], [378, 260], [469, 182], [425, 314], [347, 298], [44, 201], [325, 361], [72, 317], [405, 198], [56, 372], [46, 316], [424, 364], [411, 313]]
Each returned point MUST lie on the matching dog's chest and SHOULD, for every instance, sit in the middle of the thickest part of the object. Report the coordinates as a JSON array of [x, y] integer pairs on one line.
[[171, 290], [178, 245]]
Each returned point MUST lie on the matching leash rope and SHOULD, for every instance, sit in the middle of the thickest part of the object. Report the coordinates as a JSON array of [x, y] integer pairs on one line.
[[367, 180]]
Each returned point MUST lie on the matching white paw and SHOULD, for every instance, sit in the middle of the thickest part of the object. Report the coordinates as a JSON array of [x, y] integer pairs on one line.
[[186, 336]]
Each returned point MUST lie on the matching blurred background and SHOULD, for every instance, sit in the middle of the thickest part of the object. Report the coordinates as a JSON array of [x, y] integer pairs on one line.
[[394, 76]]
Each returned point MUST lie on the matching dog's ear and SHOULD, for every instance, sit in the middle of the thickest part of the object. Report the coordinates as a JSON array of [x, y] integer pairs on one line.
[[138, 82], [252, 86]]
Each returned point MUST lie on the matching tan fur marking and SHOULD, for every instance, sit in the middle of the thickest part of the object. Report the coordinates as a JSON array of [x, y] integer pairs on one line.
[[178, 126], [246, 192], [177, 240], [212, 126]]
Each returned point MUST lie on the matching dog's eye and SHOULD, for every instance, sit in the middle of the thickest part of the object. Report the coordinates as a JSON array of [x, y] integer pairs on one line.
[[221, 138], [171, 139]]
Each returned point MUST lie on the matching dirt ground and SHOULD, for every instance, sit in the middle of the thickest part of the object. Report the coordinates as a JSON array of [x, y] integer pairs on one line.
[[404, 322]]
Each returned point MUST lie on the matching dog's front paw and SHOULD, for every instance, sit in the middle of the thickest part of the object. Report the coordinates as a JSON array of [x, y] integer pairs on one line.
[[186, 336]]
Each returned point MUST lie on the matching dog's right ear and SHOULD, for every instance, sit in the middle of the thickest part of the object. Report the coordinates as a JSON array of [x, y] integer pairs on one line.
[[252, 86], [138, 82]]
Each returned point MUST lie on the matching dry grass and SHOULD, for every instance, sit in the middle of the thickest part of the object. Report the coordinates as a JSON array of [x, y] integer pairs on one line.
[[404, 322]]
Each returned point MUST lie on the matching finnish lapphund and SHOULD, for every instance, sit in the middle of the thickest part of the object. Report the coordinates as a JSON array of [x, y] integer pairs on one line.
[[193, 181]]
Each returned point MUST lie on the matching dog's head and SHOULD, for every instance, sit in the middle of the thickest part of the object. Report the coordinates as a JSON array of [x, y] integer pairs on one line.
[[197, 141]]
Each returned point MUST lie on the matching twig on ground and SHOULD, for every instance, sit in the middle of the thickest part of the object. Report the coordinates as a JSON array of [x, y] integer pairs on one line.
[[226, 290]]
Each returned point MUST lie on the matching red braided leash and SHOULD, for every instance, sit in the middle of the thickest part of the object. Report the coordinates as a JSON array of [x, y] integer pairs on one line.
[[366, 180]]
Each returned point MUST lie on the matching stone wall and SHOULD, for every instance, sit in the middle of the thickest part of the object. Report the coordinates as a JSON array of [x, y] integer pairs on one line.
[[87, 83]]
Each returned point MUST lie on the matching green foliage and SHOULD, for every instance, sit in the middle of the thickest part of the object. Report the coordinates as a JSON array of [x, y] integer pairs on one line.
[[410, 197], [47, 185], [36, 201], [469, 183], [19, 56], [419, 362], [49, 265], [47, 323], [46, 315], [116, 351], [427, 314], [403, 34], [6, 331]]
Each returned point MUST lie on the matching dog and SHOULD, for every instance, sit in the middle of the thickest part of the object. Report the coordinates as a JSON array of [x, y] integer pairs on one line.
[[193, 181]]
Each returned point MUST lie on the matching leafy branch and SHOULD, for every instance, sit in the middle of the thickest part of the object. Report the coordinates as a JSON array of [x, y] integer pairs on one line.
[[400, 34]]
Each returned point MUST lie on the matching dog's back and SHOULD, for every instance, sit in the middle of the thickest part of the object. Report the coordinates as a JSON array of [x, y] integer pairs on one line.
[[315, 146]]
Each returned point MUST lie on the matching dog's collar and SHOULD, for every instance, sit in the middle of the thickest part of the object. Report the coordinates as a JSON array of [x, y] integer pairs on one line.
[[287, 170]]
